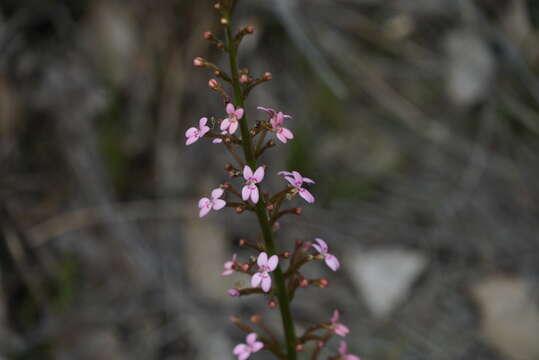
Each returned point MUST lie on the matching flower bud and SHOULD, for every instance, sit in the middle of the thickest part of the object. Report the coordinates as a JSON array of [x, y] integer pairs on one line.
[[245, 267], [250, 29], [217, 73], [224, 21], [217, 5], [272, 304], [299, 347], [304, 283], [239, 210], [199, 62], [229, 166], [286, 255], [233, 292], [241, 242], [270, 207], [298, 211], [256, 318], [323, 283], [213, 84], [267, 76], [244, 79], [208, 35]]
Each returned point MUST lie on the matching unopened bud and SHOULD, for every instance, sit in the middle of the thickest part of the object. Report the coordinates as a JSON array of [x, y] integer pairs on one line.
[[299, 347], [217, 5], [304, 283], [267, 76], [233, 292], [241, 242], [286, 255], [272, 304], [239, 210], [270, 207], [250, 29], [245, 267], [226, 186], [323, 283], [271, 143], [256, 318], [217, 73], [276, 226], [213, 84], [199, 62], [298, 211], [208, 35], [229, 166], [224, 21], [244, 79]]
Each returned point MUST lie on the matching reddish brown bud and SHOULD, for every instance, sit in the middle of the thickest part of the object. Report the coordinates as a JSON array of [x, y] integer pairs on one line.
[[267, 76], [241, 242], [245, 267], [208, 35], [271, 143], [217, 5], [298, 211], [199, 62], [299, 347], [228, 166], [286, 255], [239, 210], [213, 84], [323, 283], [270, 207], [304, 283], [250, 29], [256, 318], [244, 79], [217, 73], [272, 304], [226, 186]]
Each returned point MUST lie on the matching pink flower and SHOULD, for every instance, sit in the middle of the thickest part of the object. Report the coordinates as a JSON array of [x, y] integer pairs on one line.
[[219, 140], [250, 190], [265, 267], [277, 121], [214, 203], [337, 327], [243, 351], [296, 180], [231, 122], [193, 134], [343, 350], [233, 292], [229, 266], [331, 260]]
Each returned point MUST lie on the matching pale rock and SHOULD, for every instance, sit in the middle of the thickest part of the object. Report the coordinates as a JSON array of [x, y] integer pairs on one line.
[[471, 67], [385, 276], [509, 316]]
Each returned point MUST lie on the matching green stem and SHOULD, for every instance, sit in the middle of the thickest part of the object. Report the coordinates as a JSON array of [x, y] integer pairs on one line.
[[261, 212]]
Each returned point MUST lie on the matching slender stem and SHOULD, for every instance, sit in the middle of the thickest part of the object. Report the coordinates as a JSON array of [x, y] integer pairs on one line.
[[261, 212]]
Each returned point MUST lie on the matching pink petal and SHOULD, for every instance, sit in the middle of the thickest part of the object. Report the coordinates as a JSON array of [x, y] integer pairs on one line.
[[191, 132], [304, 193], [217, 141], [191, 140], [230, 109], [318, 248], [256, 279], [217, 193], [272, 262], [247, 172], [233, 127], [226, 273], [233, 292], [297, 177], [290, 180], [262, 259], [270, 111], [335, 317], [225, 124], [284, 173], [240, 349], [251, 339], [254, 194], [239, 113], [288, 134], [245, 192], [245, 355], [218, 204], [281, 137], [341, 330], [204, 202], [234, 257], [322, 244], [279, 118], [202, 122], [351, 357], [308, 180], [266, 283], [259, 174], [203, 212], [203, 131], [332, 262], [256, 346], [343, 348]]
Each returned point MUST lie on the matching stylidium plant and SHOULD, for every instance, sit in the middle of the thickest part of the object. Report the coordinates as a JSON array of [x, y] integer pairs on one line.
[[274, 273]]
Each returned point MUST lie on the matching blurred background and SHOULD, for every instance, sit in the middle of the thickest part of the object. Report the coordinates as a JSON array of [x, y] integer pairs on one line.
[[419, 120]]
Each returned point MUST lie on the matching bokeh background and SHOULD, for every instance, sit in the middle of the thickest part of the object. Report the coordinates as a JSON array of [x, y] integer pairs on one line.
[[419, 120]]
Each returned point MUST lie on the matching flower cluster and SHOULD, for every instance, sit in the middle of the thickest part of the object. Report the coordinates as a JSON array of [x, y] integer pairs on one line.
[[276, 275]]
